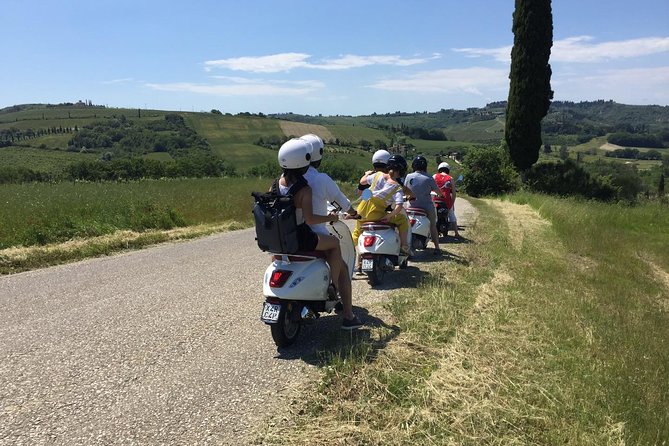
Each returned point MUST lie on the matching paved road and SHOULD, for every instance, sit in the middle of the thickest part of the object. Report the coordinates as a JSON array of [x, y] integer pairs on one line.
[[159, 346]]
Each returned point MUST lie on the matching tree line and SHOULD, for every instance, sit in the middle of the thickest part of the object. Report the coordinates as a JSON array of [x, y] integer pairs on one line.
[[635, 154]]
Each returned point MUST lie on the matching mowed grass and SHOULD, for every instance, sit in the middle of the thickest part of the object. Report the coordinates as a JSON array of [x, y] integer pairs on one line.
[[233, 138], [550, 326], [479, 131], [38, 214], [355, 133]]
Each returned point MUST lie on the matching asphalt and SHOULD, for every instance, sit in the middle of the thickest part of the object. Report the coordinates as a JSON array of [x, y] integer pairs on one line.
[[151, 347]]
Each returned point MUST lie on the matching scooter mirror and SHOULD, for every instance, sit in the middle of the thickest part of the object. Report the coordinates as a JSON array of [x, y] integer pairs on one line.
[[366, 194]]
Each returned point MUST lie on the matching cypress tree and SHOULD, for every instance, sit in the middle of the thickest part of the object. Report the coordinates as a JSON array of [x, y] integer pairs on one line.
[[530, 91], [660, 186]]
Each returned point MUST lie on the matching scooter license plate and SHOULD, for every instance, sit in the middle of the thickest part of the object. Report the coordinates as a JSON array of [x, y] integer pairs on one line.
[[367, 264], [270, 313]]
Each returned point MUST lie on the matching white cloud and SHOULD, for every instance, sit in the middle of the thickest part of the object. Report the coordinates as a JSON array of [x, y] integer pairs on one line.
[[349, 61], [501, 54], [244, 87], [264, 64], [288, 61], [581, 49], [473, 80], [125, 80]]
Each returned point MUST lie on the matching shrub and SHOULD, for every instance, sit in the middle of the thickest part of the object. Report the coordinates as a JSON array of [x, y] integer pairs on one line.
[[566, 179], [488, 171]]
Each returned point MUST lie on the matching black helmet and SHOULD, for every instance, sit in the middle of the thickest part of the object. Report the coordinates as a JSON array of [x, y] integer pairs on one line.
[[419, 163], [397, 162]]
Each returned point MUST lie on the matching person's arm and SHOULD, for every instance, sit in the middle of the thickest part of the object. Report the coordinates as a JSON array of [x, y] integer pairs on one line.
[[364, 181], [435, 188], [399, 206], [334, 194], [396, 210], [303, 197], [453, 191]]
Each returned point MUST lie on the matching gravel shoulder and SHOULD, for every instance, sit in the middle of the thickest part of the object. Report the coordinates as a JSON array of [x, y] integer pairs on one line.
[[159, 346]]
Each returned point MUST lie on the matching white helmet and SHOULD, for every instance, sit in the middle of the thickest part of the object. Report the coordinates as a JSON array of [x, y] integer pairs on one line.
[[295, 153], [316, 144], [443, 165], [380, 157]]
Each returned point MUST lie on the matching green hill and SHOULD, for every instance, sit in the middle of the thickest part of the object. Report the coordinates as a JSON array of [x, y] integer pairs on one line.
[[49, 138]]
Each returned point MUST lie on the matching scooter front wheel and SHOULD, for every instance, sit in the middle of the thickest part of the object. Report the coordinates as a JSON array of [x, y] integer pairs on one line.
[[286, 330]]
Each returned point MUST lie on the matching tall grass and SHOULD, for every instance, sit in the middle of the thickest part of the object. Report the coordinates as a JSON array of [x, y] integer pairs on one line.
[[32, 214], [548, 330]]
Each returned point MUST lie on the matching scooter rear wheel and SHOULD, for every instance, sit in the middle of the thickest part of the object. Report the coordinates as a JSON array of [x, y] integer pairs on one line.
[[376, 274], [285, 331]]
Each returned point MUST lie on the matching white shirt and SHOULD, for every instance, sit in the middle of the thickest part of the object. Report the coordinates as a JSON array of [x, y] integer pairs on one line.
[[388, 192], [323, 189]]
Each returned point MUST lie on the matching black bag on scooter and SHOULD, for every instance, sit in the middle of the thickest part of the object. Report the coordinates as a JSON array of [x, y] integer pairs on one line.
[[274, 215]]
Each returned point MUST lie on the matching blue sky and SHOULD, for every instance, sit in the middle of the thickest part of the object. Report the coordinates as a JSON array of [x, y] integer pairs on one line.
[[329, 57]]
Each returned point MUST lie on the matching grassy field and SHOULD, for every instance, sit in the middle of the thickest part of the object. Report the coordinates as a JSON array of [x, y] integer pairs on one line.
[[550, 326], [41, 160], [481, 131], [36, 214]]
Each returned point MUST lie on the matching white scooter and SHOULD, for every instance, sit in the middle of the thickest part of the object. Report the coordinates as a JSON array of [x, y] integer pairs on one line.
[[420, 227], [379, 250], [297, 287]]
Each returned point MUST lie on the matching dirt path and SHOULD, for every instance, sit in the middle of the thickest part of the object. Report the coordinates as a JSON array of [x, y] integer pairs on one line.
[[372, 299]]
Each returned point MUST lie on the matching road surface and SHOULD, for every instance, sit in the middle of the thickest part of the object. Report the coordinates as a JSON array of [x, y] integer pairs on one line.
[[159, 346]]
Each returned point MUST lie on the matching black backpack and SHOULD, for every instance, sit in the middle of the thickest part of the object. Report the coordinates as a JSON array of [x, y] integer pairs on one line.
[[274, 214]]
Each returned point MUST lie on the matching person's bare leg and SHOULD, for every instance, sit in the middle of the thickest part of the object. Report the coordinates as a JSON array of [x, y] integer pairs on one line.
[[346, 293], [330, 245], [435, 236]]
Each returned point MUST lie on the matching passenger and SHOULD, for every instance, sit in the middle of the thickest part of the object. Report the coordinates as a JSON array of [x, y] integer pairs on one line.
[[386, 190], [379, 163], [323, 188], [421, 184], [294, 159], [447, 185]]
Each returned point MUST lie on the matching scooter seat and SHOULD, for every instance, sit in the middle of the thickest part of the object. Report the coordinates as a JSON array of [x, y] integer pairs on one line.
[[376, 226], [417, 211], [302, 256]]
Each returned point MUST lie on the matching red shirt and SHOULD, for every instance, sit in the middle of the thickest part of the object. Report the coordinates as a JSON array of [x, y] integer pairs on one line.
[[445, 183]]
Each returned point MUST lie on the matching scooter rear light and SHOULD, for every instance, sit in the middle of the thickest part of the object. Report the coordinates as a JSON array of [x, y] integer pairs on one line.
[[412, 221], [279, 278], [369, 241]]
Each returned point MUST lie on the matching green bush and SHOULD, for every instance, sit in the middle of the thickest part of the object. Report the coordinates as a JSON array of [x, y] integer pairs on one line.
[[488, 171], [568, 179]]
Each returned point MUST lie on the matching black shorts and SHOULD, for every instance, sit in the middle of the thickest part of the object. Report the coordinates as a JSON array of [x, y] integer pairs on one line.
[[307, 239]]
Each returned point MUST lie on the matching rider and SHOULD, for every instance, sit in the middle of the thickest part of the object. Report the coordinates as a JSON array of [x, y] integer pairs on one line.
[[323, 188], [386, 190], [447, 186], [421, 184], [294, 158]]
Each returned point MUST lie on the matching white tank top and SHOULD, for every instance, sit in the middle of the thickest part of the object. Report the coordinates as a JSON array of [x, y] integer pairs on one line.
[[299, 217]]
